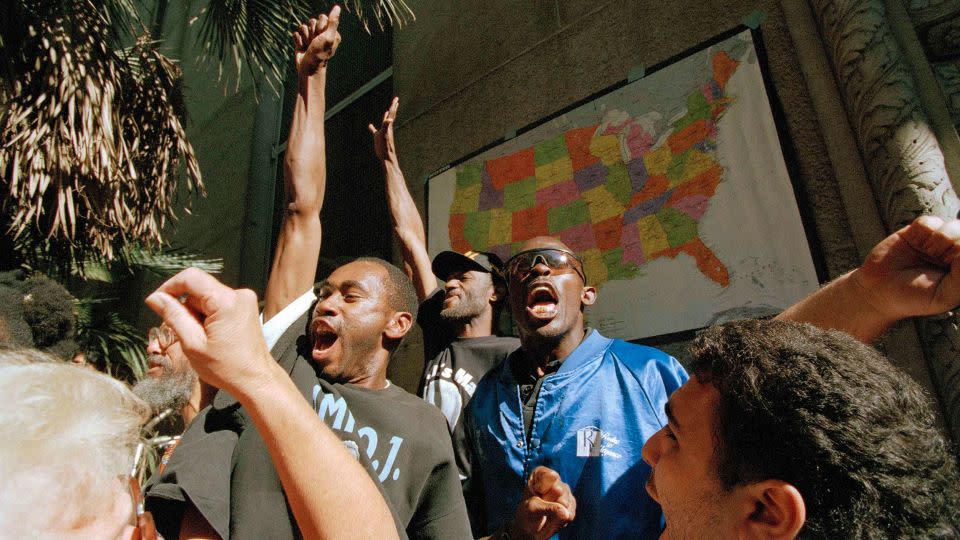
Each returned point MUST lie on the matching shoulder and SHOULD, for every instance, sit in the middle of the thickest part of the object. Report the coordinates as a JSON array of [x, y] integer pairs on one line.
[[641, 359], [429, 309], [632, 353], [488, 385], [424, 416], [506, 344]]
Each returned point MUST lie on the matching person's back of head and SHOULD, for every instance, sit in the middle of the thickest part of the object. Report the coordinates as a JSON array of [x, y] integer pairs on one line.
[[67, 436], [831, 416]]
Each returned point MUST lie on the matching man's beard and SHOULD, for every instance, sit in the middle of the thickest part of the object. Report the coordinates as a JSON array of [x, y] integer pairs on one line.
[[469, 307], [172, 390]]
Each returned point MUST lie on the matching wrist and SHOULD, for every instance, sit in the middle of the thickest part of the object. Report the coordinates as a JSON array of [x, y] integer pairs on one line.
[[255, 389], [856, 288]]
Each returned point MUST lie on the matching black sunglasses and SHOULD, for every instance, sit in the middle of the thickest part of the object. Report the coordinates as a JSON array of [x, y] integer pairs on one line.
[[557, 260]]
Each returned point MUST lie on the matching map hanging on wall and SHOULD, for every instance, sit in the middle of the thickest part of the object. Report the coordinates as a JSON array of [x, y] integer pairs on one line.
[[672, 189]]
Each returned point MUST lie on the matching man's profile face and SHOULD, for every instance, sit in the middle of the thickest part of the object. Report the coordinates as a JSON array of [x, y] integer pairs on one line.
[[349, 319], [684, 478], [466, 295], [547, 303], [169, 381]]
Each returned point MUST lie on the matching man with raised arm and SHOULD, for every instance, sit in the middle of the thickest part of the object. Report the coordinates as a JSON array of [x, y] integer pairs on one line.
[[329, 492], [336, 355], [190, 499], [458, 320]]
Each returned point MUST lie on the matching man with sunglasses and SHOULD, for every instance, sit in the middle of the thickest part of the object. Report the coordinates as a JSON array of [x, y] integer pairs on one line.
[[459, 320], [569, 400]]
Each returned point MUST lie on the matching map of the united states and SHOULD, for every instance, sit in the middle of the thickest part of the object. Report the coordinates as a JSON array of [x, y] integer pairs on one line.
[[620, 195]]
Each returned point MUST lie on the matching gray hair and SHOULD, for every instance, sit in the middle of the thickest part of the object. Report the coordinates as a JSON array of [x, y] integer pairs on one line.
[[66, 434]]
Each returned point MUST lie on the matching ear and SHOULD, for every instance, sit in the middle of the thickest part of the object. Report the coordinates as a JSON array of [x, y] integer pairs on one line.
[[499, 291], [588, 296], [400, 323], [772, 509]]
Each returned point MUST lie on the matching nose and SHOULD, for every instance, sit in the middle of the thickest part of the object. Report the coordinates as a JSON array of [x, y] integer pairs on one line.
[[651, 449], [451, 283], [539, 266], [328, 306], [153, 347]]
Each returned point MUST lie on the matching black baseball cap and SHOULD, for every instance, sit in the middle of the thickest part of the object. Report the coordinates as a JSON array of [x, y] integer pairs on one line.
[[448, 262]]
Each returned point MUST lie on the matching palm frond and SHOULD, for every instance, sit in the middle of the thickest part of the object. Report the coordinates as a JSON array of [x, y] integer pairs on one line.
[[385, 12], [165, 263], [250, 34], [136, 257], [93, 138], [255, 34], [111, 343]]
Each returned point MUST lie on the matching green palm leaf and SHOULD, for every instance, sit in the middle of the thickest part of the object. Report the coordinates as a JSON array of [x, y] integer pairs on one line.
[[255, 34]]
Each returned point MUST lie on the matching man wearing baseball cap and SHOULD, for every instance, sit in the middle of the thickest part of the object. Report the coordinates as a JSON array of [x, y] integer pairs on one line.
[[458, 319]]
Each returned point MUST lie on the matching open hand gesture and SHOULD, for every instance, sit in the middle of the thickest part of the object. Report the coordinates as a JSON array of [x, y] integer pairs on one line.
[[316, 42], [383, 144]]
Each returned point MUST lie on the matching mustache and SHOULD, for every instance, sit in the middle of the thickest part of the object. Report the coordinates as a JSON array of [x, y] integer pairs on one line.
[[161, 360], [333, 324]]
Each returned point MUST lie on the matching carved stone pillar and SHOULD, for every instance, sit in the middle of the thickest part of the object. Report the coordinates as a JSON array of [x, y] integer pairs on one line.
[[903, 159]]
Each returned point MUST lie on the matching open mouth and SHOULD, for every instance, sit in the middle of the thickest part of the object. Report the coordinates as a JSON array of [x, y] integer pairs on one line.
[[324, 338], [542, 300], [155, 365]]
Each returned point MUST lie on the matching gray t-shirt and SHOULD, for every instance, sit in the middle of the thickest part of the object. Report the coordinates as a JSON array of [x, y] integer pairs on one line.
[[224, 469]]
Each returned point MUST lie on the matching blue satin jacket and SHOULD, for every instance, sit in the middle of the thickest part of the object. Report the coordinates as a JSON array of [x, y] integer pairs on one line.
[[591, 420]]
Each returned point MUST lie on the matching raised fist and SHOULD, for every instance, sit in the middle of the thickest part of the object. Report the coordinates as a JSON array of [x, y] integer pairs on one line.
[[316, 42]]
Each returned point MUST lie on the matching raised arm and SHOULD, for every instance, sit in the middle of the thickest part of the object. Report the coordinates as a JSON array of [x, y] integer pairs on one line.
[[407, 224], [330, 493], [913, 272], [305, 170]]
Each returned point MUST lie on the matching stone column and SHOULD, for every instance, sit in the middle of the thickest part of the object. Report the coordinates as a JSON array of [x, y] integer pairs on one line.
[[903, 158]]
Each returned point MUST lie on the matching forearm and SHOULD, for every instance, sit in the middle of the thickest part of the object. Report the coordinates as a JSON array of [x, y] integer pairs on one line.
[[408, 226], [841, 305], [305, 157], [330, 493], [298, 245]]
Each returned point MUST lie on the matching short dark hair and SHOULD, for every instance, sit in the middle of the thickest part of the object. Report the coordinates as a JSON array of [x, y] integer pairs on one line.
[[831, 416], [400, 293]]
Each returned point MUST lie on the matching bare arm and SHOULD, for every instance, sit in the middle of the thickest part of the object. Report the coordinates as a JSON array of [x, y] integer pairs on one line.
[[305, 170], [407, 224], [330, 493], [913, 272]]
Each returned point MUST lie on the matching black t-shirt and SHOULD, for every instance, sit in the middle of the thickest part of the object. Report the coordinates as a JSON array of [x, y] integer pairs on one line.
[[454, 365], [229, 476]]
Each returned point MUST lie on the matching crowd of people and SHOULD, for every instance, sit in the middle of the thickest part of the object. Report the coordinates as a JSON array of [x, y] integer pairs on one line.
[[783, 428]]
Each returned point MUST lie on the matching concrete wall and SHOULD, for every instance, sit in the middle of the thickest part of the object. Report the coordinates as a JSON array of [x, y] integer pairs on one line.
[[468, 72], [220, 126]]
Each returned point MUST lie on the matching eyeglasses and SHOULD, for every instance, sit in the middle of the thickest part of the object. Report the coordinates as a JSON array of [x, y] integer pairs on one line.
[[144, 526], [163, 334], [557, 260]]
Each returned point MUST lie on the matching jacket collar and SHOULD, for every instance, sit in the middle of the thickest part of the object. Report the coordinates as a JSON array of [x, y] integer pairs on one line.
[[592, 347]]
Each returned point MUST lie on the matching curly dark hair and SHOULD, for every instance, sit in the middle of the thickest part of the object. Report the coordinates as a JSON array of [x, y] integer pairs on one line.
[[37, 312], [831, 416]]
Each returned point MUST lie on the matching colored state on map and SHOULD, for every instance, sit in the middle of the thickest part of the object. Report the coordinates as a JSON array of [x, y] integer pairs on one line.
[[620, 196]]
